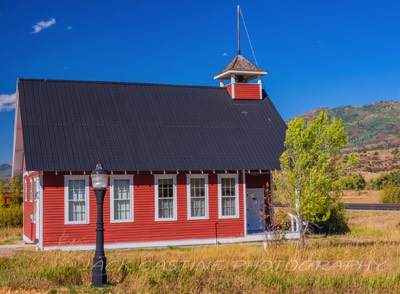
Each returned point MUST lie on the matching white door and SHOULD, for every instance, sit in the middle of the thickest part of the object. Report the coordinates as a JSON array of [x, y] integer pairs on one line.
[[255, 207]]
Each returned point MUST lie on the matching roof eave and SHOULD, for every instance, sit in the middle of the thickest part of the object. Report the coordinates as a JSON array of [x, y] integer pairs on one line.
[[227, 74], [18, 146]]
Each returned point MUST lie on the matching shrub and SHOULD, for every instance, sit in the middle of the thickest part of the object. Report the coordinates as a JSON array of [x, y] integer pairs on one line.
[[391, 195], [390, 179], [353, 182], [281, 219], [11, 216], [336, 224]]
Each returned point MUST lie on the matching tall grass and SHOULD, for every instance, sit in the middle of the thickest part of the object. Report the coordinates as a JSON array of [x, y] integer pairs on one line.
[[354, 263], [391, 195], [12, 215], [9, 235]]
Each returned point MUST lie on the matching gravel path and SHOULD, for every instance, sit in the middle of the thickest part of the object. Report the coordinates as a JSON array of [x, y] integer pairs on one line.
[[9, 250]]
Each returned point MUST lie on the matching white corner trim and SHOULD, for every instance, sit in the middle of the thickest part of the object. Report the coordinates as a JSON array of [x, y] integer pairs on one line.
[[26, 239], [244, 203], [36, 198], [41, 198], [236, 177], [131, 197], [87, 199], [189, 210], [175, 198]]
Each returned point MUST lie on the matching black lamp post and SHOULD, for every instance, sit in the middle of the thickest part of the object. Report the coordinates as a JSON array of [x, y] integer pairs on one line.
[[99, 183]]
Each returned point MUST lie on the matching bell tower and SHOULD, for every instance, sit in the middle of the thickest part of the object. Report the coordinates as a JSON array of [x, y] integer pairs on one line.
[[244, 78]]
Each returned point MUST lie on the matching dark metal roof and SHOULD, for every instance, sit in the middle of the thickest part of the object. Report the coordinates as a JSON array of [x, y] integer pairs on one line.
[[70, 125]]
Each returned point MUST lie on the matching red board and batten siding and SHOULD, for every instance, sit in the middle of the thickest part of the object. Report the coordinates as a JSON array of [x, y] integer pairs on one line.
[[29, 227], [245, 91], [144, 228]]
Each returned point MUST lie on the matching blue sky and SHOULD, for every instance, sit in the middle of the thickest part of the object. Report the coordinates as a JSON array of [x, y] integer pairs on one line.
[[317, 53]]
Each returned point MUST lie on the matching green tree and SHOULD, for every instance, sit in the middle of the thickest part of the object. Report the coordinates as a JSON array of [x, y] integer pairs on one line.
[[390, 179], [2, 190], [15, 188], [353, 182], [311, 167]]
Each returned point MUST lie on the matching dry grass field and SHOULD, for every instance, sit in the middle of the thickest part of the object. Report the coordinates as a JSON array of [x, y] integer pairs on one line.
[[10, 235], [365, 196], [366, 260]]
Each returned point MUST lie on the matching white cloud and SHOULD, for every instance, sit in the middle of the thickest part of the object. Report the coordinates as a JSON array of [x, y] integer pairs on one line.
[[224, 54], [43, 25], [69, 28], [7, 102]]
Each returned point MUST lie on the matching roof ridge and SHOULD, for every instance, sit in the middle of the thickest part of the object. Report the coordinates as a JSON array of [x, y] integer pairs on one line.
[[116, 83]]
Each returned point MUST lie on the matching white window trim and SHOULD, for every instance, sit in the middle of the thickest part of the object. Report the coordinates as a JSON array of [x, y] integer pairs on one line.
[[37, 188], [156, 178], [131, 195], [25, 190], [87, 206], [222, 176], [189, 209], [30, 190]]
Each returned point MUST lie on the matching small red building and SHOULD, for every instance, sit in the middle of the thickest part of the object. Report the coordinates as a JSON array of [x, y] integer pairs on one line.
[[189, 165]]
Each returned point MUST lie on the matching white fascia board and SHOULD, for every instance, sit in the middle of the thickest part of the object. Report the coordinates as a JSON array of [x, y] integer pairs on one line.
[[229, 72], [18, 145]]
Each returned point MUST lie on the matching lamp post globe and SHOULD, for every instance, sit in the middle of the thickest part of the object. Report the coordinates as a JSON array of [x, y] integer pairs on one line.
[[99, 182]]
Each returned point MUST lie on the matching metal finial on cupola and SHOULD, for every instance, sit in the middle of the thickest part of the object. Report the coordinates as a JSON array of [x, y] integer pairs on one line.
[[238, 27], [240, 72]]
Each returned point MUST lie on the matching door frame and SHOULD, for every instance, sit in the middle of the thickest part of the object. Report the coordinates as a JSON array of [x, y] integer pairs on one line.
[[248, 190]]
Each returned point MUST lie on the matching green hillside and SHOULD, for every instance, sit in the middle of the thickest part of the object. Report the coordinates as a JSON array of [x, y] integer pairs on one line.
[[370, 127]]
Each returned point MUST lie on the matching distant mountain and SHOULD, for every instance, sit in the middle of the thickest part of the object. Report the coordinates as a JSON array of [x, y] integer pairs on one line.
[[370, 127], [5, 170]]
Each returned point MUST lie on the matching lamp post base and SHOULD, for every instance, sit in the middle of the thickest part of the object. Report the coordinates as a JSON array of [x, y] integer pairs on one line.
[[99, 276]]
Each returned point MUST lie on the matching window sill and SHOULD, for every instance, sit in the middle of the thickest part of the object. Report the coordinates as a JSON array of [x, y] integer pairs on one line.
[[228, 216], [198, 218], [166, 219], [76, 223], [128, 221]]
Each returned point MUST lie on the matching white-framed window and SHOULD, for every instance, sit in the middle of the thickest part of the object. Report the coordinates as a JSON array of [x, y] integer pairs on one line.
[[165, 197], [76, 199], [228, 196], [25, 190], [197, 196], [36, 187], [31, 188], [121, 198]]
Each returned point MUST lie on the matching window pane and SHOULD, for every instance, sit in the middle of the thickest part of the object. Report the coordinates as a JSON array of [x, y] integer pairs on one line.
[[197, 197], [165, 198], [165, 208], [228, 196], [76, 200], [122, 207], [228, 206]]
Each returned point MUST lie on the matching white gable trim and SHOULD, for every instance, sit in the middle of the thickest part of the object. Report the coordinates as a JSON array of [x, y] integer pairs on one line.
[[18, 145]]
